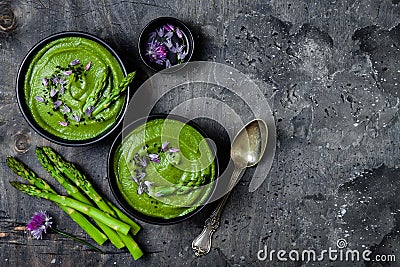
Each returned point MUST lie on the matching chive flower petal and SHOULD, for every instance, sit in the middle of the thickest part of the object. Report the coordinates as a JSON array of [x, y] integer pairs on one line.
[[39, 224], [88, 66], [57, 103], [164, 146], [45, 82], [74, 62], [39, 98]]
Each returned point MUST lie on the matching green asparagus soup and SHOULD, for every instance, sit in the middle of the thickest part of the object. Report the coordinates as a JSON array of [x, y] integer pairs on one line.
[[65, 82], [164, 168]]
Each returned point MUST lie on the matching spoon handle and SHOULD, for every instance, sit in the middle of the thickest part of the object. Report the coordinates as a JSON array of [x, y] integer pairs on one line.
[[201, 245]]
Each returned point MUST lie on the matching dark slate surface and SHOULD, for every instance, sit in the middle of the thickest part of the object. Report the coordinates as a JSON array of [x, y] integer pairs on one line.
[[333, 67]]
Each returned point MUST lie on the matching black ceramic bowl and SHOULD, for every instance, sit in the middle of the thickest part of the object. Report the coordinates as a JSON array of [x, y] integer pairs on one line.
[[160, 23], [130, 210], [26, 111]]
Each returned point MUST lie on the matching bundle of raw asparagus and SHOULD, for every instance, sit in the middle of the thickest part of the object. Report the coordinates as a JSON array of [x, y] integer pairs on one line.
[[82, 200]]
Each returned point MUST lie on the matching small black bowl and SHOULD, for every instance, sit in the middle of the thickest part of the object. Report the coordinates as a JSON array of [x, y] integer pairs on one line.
[[158, 23], [25, 109], [131, 211]]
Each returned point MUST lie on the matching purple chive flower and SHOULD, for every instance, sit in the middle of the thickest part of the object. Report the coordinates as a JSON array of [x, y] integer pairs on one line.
[[168, 43], [164, 146], [88, 66], [77, 118], [169, 35], [88, 111], [154, 158], [173, 150], [55, 79], [57, 103], [68, 72], [63, 123], [140, 161], [39, 98], [61, 81], [65, 109], [179, 33], [44, 81], [160, 32], [159, 61], [168, 63], [62, 89], [177, 48], [156, 52], [39, 224], [169, 27], [74, 62], [182, 55], [53, 92]]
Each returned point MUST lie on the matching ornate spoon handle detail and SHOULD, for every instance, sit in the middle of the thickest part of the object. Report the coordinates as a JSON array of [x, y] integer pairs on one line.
[[201, 245]]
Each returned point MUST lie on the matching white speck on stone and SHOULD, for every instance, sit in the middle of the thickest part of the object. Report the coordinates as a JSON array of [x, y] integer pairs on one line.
[[53, 261], [115, 263]]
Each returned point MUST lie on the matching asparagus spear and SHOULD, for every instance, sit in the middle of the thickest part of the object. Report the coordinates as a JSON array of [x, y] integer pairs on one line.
[[70, 171], [97, 92], [74, 192], [134, 226], [114, 95], [81, 220], [132, 246], [75, 204]]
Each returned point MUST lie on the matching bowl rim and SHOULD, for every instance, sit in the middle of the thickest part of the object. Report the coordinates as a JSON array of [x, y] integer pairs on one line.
[[155, 21], [21, 94], [112, 179]]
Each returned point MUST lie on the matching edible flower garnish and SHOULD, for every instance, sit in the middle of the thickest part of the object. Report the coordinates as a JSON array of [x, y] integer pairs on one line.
[[157, 52], [143, 157], [41, 222], [56, 85], [39, 98], [154, 158], [88, 66], [88, 111], [74, 62], [164, 146], [166, 46], [44, 81], [53, 92], [173, 150], [68, 72], [57, 103]]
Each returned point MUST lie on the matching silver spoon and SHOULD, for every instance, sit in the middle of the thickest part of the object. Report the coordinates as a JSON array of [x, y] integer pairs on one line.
[[247, 150]]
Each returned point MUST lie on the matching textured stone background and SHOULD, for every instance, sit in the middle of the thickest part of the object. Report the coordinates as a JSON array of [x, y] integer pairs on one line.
[[334, 68]]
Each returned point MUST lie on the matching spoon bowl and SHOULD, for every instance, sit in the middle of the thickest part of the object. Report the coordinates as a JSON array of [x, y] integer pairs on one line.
[[249, 144]]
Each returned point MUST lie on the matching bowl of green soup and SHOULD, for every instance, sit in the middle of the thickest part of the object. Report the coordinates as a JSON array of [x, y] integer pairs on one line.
[[66, 88], [162, 169]]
